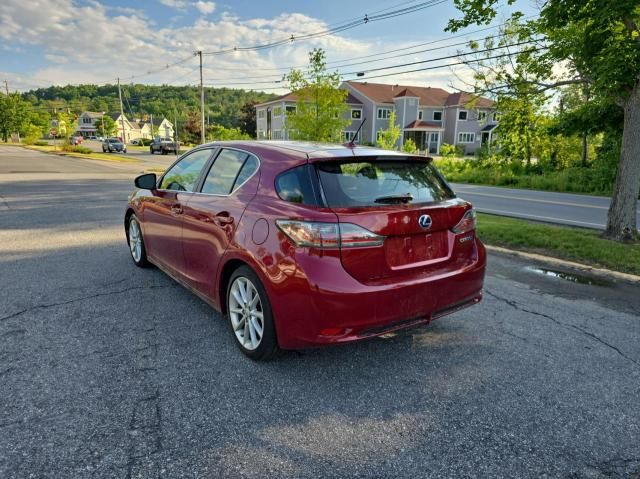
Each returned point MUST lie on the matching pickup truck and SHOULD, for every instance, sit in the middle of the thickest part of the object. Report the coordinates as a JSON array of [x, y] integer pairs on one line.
[[163, 145]]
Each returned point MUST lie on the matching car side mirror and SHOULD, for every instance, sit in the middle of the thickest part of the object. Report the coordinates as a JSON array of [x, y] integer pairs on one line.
[[146, 182]]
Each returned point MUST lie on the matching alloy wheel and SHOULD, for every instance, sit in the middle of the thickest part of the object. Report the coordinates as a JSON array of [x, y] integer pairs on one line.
[[135, 240], [246, 313]]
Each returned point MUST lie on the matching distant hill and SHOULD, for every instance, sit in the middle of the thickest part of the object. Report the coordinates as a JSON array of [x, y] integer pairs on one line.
[[223, 105]]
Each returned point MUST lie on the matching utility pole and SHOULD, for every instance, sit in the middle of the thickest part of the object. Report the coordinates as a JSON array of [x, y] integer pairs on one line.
[[202, 140], [6, 83], [124, 139], [152, 126], [175, 130]]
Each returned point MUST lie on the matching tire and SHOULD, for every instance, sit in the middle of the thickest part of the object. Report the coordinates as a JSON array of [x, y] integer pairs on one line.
[[137, 249], [151, 150], [164, 152], [246, 333]]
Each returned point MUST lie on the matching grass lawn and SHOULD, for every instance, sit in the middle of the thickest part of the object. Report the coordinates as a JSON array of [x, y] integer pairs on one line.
[[575, 244]]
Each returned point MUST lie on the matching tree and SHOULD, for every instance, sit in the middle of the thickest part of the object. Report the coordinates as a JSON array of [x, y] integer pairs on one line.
[[597, 43], [247, 119], [105, 126], [220, 133], [320, 113], [388, 138], [409, 146], [13, 114]]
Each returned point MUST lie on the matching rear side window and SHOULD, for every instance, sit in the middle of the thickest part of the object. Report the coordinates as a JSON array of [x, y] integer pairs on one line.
[[296, 186], [230, 169], [379, 182]]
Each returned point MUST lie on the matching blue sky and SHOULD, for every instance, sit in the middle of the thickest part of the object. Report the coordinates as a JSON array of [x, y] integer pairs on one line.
[[93, 41]]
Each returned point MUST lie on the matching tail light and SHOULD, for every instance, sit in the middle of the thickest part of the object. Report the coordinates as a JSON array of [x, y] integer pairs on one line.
[[467, 223], [328, 235]]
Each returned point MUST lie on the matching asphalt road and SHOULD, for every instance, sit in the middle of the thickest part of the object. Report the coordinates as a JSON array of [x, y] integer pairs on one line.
[[562, 208], [107, 370]]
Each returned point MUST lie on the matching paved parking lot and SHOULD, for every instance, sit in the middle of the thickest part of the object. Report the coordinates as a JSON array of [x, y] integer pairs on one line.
[[107, 370]]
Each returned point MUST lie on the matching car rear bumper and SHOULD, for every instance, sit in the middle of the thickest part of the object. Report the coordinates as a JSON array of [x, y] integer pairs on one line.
[[330, 306]]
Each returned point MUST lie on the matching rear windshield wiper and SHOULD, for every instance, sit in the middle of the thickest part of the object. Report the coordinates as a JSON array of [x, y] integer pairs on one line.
[[406, 198]]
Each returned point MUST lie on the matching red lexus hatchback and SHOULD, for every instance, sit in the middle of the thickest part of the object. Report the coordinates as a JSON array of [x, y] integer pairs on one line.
[[309, 244]]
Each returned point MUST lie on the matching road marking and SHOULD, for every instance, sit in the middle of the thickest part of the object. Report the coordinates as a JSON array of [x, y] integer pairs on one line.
[[563, 203], [545, 218]]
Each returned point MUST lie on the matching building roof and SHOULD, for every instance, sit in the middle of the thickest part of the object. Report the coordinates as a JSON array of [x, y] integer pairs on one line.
[[428, 96], [407, 92], [491, 127], [423, 125], [91, 114], [464, 98], [351, 100]]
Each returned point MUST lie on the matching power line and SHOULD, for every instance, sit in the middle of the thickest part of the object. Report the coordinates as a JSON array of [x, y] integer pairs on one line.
[[431, 60], [442, 47], [340, 28]]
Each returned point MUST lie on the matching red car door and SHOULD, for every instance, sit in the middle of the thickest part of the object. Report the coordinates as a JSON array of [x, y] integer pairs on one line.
[[163, 210], [212, 215]]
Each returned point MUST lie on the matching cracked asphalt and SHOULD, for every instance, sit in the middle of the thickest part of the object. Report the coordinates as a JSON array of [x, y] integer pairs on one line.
[[110, 371]]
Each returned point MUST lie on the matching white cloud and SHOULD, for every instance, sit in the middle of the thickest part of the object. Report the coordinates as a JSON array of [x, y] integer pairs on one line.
[[206, 8], [99, 43], [178, 4]]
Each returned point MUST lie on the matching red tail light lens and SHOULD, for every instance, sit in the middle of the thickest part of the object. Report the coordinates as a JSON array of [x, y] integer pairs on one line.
[[328, 235], [467, 223]]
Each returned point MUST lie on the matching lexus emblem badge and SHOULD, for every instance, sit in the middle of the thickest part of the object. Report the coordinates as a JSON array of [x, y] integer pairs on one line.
[[425, 222]]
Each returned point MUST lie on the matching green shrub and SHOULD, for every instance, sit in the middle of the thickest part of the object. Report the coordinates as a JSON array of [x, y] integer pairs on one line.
[[409, 146], [41, 143], [451, 151], [77, 149], [145, 141]]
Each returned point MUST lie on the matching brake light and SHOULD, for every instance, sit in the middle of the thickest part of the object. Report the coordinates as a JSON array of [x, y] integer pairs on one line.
[[328, 235], [467, 223]]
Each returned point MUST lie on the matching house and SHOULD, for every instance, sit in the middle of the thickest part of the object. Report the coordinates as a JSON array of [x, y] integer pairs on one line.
[[87, 123], [428, 116], [131, 128], [162, 128], [271, 117]]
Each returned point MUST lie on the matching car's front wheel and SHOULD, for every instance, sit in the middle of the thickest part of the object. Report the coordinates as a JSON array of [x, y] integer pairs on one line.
[[136, 242], [250, 315]]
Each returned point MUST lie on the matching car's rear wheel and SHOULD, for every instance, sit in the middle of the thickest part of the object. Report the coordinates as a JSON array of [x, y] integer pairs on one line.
[[250, 315], [136, 242]]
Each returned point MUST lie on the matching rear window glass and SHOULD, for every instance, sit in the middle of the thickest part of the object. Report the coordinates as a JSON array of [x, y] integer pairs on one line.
[[380, 182], [296, 186]]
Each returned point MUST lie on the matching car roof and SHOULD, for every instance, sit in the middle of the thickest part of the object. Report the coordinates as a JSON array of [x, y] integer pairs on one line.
[[313, 151]]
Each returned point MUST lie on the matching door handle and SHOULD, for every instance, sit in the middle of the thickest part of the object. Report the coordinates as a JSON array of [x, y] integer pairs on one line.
[[223, 219], [176, 210]]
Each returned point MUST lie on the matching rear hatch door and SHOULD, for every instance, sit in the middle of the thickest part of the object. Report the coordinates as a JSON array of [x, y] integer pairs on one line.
[[407, 201]]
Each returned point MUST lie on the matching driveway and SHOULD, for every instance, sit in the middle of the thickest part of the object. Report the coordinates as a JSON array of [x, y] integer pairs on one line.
[[107, 370]]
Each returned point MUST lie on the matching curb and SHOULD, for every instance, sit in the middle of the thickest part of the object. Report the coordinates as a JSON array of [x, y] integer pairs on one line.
[[567, 264]]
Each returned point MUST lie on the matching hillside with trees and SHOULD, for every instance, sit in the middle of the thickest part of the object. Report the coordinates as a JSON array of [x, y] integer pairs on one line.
[[223, 106]]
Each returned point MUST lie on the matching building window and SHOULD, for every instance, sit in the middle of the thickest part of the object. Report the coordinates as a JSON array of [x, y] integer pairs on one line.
[[419, 114], [277, 111], [482, 115], [291, 109], [276, 135], [356, 113], [350, 136], [260, 114], [412, 102], [466, 137], [437, 115], [496, 117], [384, 113], [463, 114]]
